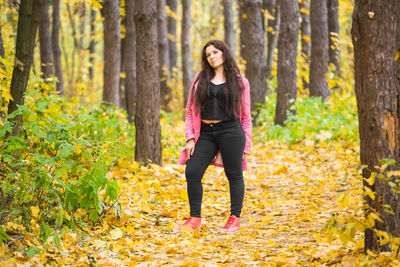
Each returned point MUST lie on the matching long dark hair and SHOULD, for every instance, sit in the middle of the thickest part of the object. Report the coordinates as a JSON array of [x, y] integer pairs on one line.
[[233, 86]]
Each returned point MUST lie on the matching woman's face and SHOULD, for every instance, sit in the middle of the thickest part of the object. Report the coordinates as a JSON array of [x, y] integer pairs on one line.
[[214, 57]]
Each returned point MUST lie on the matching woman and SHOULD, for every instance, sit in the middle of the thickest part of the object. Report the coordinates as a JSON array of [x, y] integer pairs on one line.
[[218, 130]]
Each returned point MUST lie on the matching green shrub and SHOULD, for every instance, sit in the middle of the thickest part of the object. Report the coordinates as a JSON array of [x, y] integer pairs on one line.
[[58, 164], [313, 120]]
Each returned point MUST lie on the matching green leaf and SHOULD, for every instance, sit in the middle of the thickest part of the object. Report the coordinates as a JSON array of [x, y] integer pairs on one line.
[[32, 251], [44, 232], [3, 236]]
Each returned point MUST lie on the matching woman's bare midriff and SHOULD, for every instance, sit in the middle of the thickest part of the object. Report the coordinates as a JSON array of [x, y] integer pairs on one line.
[[210, 121]]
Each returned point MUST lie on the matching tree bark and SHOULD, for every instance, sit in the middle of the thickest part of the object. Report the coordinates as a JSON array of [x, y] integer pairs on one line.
[[215, 14], [71, 78], [123, 53], [1, 46], [163, 55], [185, 47], [130, 60], [272, 6], [333, 28], [147, 116], [252, 49], [287, 53], [56, 47], [92, 42], [377, 91], [28, 23], [3, 102], [319, 49], [112, 54], [305, 38], [229, 25], [173, 52], [45, 40]]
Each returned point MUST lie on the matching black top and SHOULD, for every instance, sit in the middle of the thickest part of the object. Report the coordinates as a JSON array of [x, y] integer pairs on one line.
[[215, 105]]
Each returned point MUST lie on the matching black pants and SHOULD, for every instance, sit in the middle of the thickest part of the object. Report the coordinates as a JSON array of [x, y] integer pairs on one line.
[[229, 138]]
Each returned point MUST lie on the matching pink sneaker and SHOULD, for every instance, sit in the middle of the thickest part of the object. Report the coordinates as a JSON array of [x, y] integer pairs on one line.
[[232, 225], [192, 222]]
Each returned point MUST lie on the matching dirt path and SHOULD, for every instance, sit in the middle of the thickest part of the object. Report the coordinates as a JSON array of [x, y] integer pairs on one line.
[[290, 196]]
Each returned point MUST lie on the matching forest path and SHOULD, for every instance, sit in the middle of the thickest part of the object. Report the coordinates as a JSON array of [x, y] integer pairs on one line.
[[290, 196]]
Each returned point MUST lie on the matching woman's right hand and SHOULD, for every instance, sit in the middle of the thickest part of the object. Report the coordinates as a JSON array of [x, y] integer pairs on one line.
[[189, 148]]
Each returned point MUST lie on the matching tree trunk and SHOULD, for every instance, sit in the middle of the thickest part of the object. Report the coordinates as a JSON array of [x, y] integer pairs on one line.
[[45, 40], [92, 42], [305, 39], [163, 55], [333, 28], [112, 54], [377, 91], [185, 47], [56, 47], [215, 14], [319, 49], [252, 49], [71, 60], [287, 53], [130, 60], [1, 46], [28, 22], [147, 116], [123, 53], [229, 25], [2, 99], [272, 6], [171, 21]]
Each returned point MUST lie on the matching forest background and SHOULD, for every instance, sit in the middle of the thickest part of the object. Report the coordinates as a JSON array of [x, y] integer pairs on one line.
[[82, 185]]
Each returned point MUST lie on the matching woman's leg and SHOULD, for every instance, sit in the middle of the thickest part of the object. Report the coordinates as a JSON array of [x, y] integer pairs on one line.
[[204, 151], [231, 143]]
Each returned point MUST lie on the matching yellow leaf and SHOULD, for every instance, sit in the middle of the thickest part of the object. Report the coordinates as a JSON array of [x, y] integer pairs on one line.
[[96, 4], [35, 211], [306, 38], [371, 179], [116, 234], [369, 192], [304, 11], [396, 55], [244, 16]]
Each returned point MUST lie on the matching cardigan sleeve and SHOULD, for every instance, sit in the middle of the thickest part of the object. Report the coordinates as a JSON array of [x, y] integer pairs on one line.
[[245, 117], [189, 125]]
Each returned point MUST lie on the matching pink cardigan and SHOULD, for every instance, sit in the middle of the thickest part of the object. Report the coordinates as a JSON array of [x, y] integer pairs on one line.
[[193, 124]]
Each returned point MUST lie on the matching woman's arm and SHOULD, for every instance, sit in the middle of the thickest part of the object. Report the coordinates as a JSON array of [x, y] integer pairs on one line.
[[245, 119], [189, 126]]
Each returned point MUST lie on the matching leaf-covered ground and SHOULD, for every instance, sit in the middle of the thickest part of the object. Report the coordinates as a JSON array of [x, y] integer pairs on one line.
[[291, 193]]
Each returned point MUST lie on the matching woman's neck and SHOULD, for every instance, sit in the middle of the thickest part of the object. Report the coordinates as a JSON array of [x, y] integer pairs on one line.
[[219, 75]]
